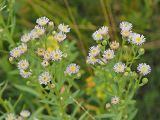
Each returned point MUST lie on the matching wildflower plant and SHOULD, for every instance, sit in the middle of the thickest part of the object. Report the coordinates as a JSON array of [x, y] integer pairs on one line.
[[45, 59], [117, 75]]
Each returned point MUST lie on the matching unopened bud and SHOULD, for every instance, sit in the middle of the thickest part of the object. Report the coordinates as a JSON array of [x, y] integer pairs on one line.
[[141, 51], [128, 69], [104, 42], [126, 74], [145, 80]]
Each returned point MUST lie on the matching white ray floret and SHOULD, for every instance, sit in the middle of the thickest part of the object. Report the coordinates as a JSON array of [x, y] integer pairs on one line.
[[64, 28], [144, 69], [108, 54], [137, 39], [42, 21], [119, 67], [26, 38], [125, 26], [56, 55], [92, 60], [103, 30], [60, 36], [44, 78], [72, 69], [23, 64], [25, 74], [97, 35], [25, 113], [94, 51], [115, 100], [16, 52]]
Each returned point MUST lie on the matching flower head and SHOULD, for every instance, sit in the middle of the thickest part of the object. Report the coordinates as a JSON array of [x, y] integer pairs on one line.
[[10, 116], [56, 55], [26, 37], [94, 51], [64, 28], [114, 45], [45, 63], [47, 55], [60, 36], [125, 28], [37, 32], [25, 74], [72, 69], [42, 21], [23, 64], [108, 54], [25, 113], [97, 36], [16, 52], [137, 39], [119, 67], [23, 48], [144, 69], [103, 30], [44, 78], [115, 100], [92, 60]]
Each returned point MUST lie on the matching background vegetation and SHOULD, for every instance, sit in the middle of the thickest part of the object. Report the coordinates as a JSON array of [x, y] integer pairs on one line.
[[84, 16]]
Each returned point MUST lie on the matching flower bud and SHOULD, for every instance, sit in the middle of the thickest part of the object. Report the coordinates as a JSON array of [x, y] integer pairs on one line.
[[128, 69], [125, 47], [104, 42], [141, 51], [11, 59], [108, 105], [51, 24], [145, 80], [52, 86], [126, 74], [53, 32]]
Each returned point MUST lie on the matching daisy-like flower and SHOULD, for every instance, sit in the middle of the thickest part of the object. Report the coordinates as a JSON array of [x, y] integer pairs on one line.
[[40, 52], [37, 32], [42, 21], [103, 30], [125, 28], [115, 100], [144, 69], [137, 39], [23, 48], [108, 105], [10, 116], [108, 54], [64, 28], [119, 67], [92, 60], [23, 64], [19, 118], [114, 45], [56, 55], [47, 55], [44, 78], [45, 63], [25, 113], [72, 69], [97, 36], [60, 36], [94, 51], [25, 74], [26, 38], [16, 52]]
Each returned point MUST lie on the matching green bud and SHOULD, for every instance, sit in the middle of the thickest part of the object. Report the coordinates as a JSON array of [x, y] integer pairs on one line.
[[104, 42], [126, 74], [145, 80], [99, 41], [53, 32], [128, 69], [141, 51], [125, 47], [134, 74]]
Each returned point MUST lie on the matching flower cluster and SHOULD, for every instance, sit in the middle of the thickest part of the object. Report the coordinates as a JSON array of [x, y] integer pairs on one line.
[[24, 114], [36, 44]]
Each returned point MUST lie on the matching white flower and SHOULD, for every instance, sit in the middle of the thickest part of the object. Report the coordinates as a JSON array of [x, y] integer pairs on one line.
[[97, 36], [37, 32], [115, 100], [23, 48], [16, 52], [103, 30], [44, 78], [42, 21], [72, 69], [125, 26], [64, 28], [92, 60], [40, 51], [144, 69], [23, 64], [47, 55], [94, 50], [56, 55], [25, 113], [10, 116], [108, 54], [26, 37], [137, 39], [60, 36], [119, 67], [25, 74], [45, 63], [108, 105], [114, 45]]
